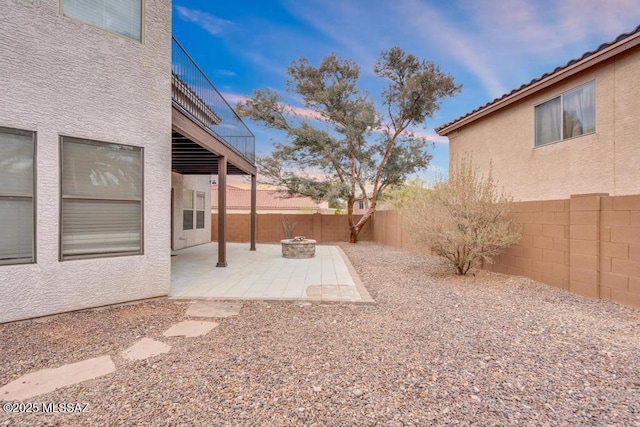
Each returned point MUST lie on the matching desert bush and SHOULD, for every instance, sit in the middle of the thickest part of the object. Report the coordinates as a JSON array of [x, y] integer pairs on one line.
[[463, 219]]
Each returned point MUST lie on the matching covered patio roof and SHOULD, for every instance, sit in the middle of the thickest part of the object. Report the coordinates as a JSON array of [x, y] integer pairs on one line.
[[190, 158], [208, 137]]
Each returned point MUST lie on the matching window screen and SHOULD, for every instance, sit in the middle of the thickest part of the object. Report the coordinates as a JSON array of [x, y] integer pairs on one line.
[[16, 196], [101, 199], [187, 209], [199, 210], [120, 16]]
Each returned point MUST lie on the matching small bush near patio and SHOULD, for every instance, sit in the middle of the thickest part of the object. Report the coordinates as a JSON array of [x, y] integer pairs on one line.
[[464, 219]]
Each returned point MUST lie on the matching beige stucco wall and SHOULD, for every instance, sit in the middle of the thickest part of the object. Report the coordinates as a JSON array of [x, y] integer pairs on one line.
[[627, 124], [604, 162], [185, 238], [59, 76]]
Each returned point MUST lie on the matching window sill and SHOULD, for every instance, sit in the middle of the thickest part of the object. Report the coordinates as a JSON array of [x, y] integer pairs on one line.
[[99, 256], [563, 140]]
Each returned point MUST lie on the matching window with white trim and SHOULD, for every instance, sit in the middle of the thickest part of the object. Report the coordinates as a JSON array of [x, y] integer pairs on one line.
[[101, 190], [17, 150], [199, 209], [187, 209], [123, 17], [566, 116]]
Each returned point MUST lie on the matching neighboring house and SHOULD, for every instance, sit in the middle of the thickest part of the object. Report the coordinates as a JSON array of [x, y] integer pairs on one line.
[[571, 131], [267, 202], [98, 106], [361, 205]]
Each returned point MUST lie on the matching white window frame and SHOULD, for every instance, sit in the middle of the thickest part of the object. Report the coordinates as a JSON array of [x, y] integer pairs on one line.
[[4, 195], [127, 36], [561, 97], [98, 198]]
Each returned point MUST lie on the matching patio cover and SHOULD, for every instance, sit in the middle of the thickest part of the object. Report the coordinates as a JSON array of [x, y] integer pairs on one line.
[[197, 151]]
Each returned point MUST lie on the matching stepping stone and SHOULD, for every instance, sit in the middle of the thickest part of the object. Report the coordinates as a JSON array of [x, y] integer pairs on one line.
[[190, 328], [214, 309], [48, 380], [144, 349]]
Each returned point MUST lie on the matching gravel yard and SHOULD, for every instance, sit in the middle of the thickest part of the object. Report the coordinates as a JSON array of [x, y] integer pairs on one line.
[[435, 349]]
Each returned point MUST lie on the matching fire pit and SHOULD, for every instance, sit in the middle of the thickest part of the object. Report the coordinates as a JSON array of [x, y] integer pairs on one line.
[[298, 248]]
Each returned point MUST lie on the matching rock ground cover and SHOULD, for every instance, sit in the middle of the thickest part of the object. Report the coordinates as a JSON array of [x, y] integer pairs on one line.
[[435, 349]]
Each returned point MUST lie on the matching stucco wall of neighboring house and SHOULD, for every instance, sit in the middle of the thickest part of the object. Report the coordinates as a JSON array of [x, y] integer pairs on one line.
[[60, 76], [185, 238], [604, 162], [627, 123]]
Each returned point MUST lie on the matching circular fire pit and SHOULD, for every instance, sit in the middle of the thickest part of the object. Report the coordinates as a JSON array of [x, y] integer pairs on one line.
[[298, 248]]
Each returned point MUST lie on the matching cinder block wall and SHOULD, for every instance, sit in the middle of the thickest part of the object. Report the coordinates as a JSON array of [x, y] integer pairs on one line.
[[269, 229], [620, 249], [387, 228], [588, 244], [543, 251]]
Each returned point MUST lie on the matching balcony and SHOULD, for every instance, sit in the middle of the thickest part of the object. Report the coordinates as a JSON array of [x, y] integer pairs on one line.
[[196, 97]]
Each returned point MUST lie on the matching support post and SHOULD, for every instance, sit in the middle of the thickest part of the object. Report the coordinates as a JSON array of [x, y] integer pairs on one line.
[[222, 211], [253, 212]]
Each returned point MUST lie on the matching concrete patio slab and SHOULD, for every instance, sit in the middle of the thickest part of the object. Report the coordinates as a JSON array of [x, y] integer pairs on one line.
[[190, 329], [144, 349], [265, 275], [48, 380], [214, 309]]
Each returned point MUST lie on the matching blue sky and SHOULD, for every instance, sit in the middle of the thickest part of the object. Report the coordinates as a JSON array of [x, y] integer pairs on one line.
[[490, 47]]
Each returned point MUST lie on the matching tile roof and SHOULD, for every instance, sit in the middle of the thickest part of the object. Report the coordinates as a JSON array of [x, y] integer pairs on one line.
[[239, 198], [585, 57]]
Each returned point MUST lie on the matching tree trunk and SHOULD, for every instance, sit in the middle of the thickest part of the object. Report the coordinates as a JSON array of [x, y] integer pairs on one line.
[[354, 228], [353, 236]]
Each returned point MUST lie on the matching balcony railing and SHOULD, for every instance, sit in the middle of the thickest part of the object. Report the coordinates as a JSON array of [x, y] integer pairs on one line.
[[193, 92]]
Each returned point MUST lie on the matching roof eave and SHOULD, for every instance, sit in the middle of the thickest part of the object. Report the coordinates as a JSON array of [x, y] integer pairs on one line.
[[554, 78]]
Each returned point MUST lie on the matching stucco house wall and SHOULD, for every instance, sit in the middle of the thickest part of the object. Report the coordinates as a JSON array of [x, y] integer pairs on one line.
[[196, 236], [603, 162], [62, 77]]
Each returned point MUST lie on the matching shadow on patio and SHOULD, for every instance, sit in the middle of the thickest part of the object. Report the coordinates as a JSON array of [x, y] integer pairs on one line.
[[264, 275]]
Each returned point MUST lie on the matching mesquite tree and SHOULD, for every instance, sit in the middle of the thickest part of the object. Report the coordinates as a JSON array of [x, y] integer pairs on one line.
[[340, 146]]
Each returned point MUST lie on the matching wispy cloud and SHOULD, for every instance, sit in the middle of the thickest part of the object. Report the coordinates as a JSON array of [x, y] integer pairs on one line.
[[547, 28], [432, 136], [429, 25], [503, 44], [585, 18], [226, 73], [210, 23], [305, 112], [265, 63], [234, 99], [344, 25]]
